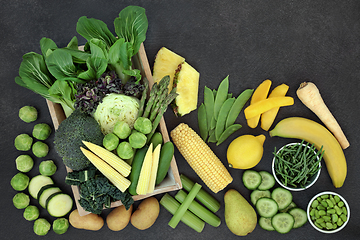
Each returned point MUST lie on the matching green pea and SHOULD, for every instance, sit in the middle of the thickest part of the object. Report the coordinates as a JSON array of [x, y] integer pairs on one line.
[[315, 203], [202, 122], [228, 131]]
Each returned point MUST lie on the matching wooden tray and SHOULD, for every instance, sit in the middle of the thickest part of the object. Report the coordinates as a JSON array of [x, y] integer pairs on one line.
[[172, 181]]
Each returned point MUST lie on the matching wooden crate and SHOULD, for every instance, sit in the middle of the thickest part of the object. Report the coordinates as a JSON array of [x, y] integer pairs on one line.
[[172, 181]]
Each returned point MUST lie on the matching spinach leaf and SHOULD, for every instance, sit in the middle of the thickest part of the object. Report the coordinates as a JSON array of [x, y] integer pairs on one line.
[[47, 46], [60, 64], [132, 25], [73, 44], [119, 58]]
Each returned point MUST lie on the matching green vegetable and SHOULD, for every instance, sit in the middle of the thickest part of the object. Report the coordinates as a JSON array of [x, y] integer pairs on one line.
[[282, 196], [21, 200], [251, 179], [237, 106], [41, 131], [60, 225], [37, 182], [28, 114], [114, 108], [184, 206], [136, 168], [59, 204], [31, 213], [283, 222], [122, 129], [69, 136], [47, 168], [267, 180], [125, 150], [170, 204], [257, 194], [200, 211], [266, 207], [204, 197], [156, 139], [20, 181], [23, 142], [221, 96], [202, 122], [296, 165], [143, 97], [227, 132], [24, 163], [166, 155], [41, 226], [209, 101], [137, 139], [40, 149], [224, 111], [111, 141], [143, 125]]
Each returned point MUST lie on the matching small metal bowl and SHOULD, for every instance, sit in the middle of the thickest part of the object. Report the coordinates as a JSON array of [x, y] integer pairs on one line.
[[312, 180], [346, 205]]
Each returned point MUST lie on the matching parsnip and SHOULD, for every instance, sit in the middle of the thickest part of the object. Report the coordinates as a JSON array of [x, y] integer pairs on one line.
[[310, 96]]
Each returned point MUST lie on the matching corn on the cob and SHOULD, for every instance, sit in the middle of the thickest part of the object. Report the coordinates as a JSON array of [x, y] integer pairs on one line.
[[201, 158], [117, 163], [154, 168], [144, 177], [116, 178]]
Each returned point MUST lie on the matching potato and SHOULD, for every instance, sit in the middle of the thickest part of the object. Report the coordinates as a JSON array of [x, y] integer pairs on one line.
[[146, 213], [119, 218], [90, 221]]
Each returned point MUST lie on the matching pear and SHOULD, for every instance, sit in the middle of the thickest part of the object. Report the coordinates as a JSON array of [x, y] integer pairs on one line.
[[240, 216]]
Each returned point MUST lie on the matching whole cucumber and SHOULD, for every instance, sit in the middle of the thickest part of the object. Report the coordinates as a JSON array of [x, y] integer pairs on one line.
[[166, 155], [156, 139], [136, 168]]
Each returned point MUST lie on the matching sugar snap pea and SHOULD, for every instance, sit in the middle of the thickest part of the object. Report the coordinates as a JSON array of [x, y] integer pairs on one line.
[[228, 131], [221, 96], [224, 110], [209, 105], [202, 122], [237, 106]]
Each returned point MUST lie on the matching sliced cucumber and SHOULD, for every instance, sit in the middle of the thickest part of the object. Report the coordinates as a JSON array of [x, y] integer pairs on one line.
[[267, 180], [283, 222], [45, 192], [287, 209], [265, 223], [300, 217], [37, 182], [266, 207], [59, 204], [251, 179], [282, 196], [257, 194]]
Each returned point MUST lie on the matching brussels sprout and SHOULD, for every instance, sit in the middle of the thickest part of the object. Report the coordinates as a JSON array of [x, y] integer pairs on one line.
[[23, 142], [137, 139], [122, 129], [40, 149], [28, 114], [60, 225], [143, 125], [21, 200], [24, 163], [20, 181], [41, 131], [47, 168], [31, 213], [111, 141], [125, 151], [41, 226]]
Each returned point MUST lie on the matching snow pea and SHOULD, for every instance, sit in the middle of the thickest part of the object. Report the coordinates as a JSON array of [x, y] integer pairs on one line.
[[202, 122], [237, 106], [228, 131], [209, 105], [221, 96], [223, 113]]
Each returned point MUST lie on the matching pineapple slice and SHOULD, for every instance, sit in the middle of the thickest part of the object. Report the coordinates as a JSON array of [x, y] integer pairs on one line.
[[166, 62], [186, 81]]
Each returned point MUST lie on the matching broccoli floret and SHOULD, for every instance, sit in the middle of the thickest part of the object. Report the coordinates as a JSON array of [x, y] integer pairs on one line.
[[69, 136]]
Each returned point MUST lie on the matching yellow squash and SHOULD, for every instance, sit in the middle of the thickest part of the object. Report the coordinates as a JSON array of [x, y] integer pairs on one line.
[[317, 134]]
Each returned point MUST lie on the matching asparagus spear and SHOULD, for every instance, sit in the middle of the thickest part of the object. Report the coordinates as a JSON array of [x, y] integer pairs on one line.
[[143, 97], [163, 89], [151, 100]]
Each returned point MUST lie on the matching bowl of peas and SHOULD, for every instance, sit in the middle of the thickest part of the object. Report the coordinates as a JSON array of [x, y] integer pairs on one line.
[[328, 212], [296, 166]]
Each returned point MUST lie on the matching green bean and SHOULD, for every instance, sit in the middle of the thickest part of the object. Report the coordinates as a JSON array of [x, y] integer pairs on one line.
[[202, 122], [237, 106], [209, 105], [228, 131], [224, 111], [221, 96]]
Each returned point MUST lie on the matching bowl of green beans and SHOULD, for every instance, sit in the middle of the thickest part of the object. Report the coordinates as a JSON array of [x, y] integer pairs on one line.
[[296, 166], [328, 212]]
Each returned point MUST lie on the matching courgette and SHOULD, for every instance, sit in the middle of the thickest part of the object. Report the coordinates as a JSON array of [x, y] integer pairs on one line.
[[36, 183], [136, 168], [166, 155], [45, 192], [59, 204]]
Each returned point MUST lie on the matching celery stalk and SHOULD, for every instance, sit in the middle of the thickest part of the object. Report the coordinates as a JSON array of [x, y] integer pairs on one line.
[[205, 198], [199, 210], [184, 206], [170, 204]]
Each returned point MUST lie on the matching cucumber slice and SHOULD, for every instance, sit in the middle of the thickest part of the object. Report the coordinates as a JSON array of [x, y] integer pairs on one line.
[[59, 204], [265, 223], [300, 217], [283, 222], [267, 180], [251, 179], [282, 196], [45, 192], [257, 194], [37, 182], [287, 209], [266, 207]]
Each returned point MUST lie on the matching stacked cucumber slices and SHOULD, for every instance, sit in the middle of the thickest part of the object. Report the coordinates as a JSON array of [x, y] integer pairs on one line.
[[275, 207]]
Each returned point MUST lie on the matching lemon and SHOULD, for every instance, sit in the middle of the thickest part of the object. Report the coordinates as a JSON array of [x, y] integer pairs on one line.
[[245, 151]]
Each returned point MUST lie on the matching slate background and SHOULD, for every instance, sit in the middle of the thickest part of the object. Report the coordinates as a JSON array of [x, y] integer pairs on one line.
[[285, 41]]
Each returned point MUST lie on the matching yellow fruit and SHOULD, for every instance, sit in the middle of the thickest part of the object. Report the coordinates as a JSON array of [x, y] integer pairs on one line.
[[245, 151]]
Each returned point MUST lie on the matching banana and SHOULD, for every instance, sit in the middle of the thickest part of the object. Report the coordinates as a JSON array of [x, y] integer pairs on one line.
[[317, 134]]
